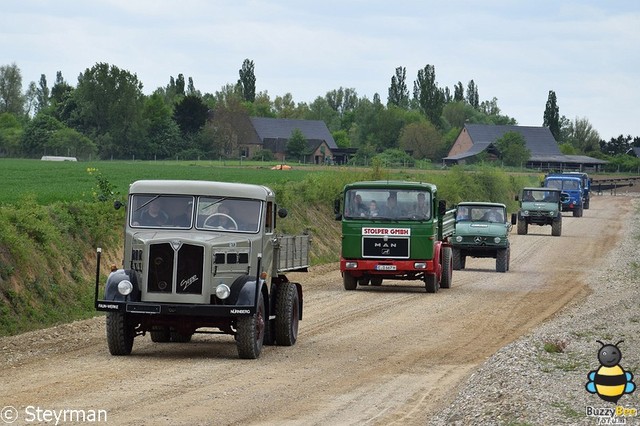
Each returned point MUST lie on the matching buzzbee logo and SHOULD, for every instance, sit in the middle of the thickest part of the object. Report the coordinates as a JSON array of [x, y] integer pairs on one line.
[[610, 381]]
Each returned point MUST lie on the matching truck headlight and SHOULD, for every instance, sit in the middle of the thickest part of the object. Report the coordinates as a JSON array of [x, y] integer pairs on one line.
[[223, 291], [497, 240], [420, 265], [525, 213], [351, 265], [552, 213], [459, 238], [125, 287]]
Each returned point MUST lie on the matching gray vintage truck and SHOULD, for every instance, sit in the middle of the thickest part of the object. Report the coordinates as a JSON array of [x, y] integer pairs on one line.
[[203, 256], [539, 206], [482, 230]]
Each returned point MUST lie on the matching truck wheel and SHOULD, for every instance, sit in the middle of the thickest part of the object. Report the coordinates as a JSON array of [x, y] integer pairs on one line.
[[586, 204], [556, 227], [431, 283], [522, 227], [349, 281], [463, 261], [160, 334], [287, 314], [120, 333], [577, 212], [376, 281], [502, 260], [250, 333], [178, 337], [456, 261], [447, 274]]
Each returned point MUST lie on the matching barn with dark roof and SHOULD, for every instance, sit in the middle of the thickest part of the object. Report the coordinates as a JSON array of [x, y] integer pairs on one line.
[[545, 153], [252, 135]]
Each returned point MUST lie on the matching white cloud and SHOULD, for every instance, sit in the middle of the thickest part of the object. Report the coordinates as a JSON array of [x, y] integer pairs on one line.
[[586, 51]]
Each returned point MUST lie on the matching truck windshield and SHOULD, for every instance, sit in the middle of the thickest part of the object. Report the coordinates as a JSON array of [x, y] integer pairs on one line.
[[372, 204], [228, 214], [161, 211], [570, 184], [541, 196], [480, 213]]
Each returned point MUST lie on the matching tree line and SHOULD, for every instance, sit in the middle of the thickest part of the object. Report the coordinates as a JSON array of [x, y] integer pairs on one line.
[[106, 115]]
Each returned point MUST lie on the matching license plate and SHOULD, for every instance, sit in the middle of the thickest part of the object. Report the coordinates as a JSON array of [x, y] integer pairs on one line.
[[385, 267]]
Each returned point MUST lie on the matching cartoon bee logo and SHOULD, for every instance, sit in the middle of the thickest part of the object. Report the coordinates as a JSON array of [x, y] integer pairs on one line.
[[610, 381]]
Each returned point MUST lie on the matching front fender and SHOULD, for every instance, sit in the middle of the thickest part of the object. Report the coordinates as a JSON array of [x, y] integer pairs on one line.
[[243, 291], [111, 289]]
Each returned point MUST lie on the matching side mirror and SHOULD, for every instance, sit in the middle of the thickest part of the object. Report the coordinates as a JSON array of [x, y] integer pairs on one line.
[[117, 204], [516, 198], [442, 207], [282, 213], [336, 209]]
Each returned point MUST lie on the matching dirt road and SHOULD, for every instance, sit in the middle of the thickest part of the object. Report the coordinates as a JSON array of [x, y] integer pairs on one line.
[[383, 355]]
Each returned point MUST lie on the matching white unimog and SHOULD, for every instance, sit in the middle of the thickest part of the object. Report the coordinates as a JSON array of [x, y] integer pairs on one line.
[[202, 255]]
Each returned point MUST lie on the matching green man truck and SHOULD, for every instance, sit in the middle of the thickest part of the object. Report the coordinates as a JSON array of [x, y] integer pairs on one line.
[[395, 230]]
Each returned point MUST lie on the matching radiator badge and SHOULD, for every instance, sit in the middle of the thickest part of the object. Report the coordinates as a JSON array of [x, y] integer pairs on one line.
[[184, 284]]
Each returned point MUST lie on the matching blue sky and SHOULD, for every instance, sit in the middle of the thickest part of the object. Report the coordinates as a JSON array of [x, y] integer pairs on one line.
[[588, 52]]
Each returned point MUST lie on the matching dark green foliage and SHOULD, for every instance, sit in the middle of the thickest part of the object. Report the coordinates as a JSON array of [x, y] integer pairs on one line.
[[108, 103], [191, 114], [458, 92], [398, 91], [248, 81], [297, 145], [513, 149], [472, 94], [551, 117], [428, 96]]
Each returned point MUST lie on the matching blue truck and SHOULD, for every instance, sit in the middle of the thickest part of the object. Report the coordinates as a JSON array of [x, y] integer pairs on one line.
[[571, 185], [586, 186]]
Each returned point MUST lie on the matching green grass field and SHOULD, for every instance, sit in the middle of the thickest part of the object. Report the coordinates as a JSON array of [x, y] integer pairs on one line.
[[51, 181]]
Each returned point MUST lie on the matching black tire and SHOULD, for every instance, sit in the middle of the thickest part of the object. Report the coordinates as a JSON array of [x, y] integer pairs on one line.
[[447, 270], [431, 283], [178, 337], [250, 332], [160, 334], [577, 212], [120, 333], [586, 204], [463, 261], [456, 259], [508, 258], [376, 281], [349, 281], [556, 227], [502, 260], [523, 227], [287, 314]]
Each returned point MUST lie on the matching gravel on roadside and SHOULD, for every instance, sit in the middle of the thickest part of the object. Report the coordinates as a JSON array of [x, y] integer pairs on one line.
[[528, 383]]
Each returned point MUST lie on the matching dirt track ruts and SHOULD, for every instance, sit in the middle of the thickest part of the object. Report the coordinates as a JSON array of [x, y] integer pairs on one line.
[[378, 355]]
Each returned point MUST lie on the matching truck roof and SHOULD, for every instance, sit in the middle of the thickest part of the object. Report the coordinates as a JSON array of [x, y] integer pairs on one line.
[[564, 177], [400, 184], [540, 188], [199, 187], [481, 203]]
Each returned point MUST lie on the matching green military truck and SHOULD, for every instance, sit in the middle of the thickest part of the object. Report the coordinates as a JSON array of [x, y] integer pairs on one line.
[[203, 257], [482, 231], [539, 206], [394, 230]]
